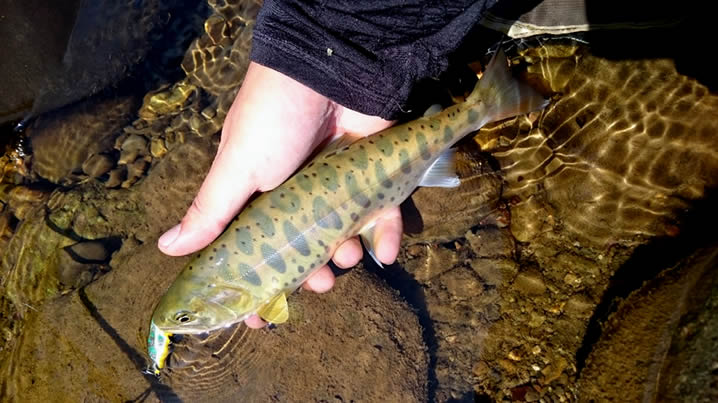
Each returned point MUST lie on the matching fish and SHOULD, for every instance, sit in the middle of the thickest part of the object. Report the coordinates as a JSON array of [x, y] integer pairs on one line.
[[284, 235]]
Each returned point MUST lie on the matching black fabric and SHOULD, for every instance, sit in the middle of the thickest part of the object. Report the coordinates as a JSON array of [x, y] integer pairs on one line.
[[365, 55]]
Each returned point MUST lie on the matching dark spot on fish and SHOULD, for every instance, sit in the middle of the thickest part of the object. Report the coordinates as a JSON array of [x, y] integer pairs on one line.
[[244, 241], [273, 258], [423, 146], [311, 164], [380, 195], [331, 154], [300, 269], [320, 242], [311, 266], [247, 273], [285, 201], [391, 199], [405, 163], [472, 116], [296, 239], [294, 280], [325, 216], [448, 134]]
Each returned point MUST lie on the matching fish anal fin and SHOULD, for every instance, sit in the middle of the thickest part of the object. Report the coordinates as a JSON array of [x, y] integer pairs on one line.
[[367, 238], [276, 310], [442, 173]]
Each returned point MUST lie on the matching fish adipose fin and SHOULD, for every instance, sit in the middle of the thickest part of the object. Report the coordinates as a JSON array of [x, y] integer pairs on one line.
[[503, 95], [276, 310], [367, 238], [442, 173]]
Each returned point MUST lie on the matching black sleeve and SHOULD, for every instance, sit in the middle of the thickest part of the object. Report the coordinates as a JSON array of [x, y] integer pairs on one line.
[[365, 55]]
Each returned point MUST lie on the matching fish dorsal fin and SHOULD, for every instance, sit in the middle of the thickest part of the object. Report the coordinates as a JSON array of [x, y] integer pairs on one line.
[[367, 237], [276, 310], [432, 110], [337, 143], [442, 173]]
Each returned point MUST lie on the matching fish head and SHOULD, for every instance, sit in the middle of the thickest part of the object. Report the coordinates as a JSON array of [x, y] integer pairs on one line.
[[202, 308]]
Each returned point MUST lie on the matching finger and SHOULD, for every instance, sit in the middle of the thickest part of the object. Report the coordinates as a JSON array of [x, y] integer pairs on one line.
[[348, 254], [387, 236], [255, 322], [223, 192], [320, 281]]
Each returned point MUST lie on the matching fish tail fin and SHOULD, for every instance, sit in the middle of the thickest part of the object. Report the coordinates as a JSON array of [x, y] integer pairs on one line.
[[501, 95]]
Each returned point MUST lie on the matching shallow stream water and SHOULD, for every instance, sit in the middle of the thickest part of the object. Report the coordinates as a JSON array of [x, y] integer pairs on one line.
[[576, 261]]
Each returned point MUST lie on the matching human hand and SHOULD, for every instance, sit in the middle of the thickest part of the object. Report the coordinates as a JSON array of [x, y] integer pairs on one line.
[[273, 126]]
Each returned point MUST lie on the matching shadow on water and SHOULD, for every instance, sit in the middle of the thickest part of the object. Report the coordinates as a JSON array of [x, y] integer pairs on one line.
[[94, 47], [647, 261], [413, 293], [163, 392]]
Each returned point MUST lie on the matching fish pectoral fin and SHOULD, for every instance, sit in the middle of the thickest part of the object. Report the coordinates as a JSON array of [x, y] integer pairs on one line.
[[367, 238], [442, 173], [276, 310]]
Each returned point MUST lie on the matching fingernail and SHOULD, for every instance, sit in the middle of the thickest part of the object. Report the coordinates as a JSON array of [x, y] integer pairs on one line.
[[170, 236]]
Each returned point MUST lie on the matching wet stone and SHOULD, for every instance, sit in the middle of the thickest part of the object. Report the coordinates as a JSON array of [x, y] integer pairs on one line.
[[495, 271], [579, 305], [98, 165], [530, 283], [491, 242]]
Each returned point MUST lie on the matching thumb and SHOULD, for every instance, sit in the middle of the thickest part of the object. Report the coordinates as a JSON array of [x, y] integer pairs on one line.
[[223, 193]]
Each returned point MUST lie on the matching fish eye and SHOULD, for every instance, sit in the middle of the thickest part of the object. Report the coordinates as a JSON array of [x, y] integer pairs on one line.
[[183, 317]]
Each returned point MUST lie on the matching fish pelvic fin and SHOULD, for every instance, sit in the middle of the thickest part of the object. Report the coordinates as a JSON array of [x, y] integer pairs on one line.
[[367, 238], [276, 310], [500, 95]]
